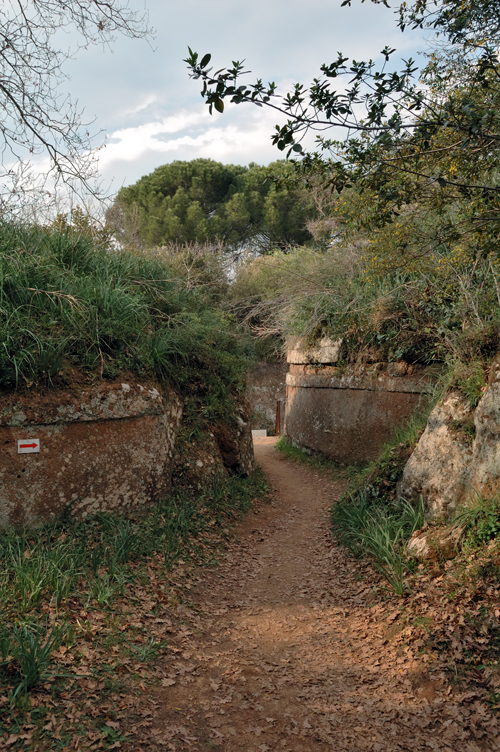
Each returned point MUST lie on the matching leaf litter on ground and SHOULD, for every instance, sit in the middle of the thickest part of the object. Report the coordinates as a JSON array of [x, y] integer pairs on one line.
[[288, 644]]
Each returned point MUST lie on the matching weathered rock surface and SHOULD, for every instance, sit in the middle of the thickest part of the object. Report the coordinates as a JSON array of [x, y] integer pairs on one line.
[[326, 351], [108, 447], [349, 412], [219, 451], [458, 454], [198, 464], [484, 471], [439, 466], [236, 445], [433, 544]]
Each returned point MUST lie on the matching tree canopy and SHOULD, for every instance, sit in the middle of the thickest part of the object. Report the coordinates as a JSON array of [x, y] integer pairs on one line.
[[428, 140], [407, 197], [206, 201]]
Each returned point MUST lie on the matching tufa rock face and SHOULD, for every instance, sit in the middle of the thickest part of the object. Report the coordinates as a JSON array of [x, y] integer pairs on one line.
[[236, 445], [438, 468], [216, 453], [484, 471], [109, 447], [198, 464], [457, 455], [102, 448]]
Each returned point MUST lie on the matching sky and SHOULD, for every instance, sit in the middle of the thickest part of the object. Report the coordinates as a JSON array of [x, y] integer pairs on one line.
[[139, 95]]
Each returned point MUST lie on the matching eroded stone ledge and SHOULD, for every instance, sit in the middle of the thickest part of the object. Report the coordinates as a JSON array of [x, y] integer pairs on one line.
[[373, 377]]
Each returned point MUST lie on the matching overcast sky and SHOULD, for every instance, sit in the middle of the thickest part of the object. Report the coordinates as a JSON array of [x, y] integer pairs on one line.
[[152, 113]]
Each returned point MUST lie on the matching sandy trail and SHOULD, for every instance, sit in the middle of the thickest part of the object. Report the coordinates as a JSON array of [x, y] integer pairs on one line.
[[288, 648]]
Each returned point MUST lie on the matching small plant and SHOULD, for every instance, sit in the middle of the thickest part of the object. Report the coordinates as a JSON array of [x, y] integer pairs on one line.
[[103, 589], [126, 542], [466, 428], [148, 650], [5, 642], [53, 568], [412, 516], [377, 527], [31, 654], [479, 521]]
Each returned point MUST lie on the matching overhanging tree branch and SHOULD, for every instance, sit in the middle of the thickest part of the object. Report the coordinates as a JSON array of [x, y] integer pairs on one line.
[[36, 117]]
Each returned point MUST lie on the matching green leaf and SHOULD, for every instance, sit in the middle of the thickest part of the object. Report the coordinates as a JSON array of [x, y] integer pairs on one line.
[[219, 105], [205, 60]]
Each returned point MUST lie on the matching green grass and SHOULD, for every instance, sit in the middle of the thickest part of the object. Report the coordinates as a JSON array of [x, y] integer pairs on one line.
[[479, 521], [68, 300], [28, 649], [372, 526], [315, 460], [371, 520], [87, 564]]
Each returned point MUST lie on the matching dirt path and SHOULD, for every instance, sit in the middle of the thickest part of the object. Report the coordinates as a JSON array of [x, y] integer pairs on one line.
[[289, 647]]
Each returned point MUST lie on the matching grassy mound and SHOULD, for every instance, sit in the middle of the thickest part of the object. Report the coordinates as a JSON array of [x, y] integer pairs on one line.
[[69, 300]]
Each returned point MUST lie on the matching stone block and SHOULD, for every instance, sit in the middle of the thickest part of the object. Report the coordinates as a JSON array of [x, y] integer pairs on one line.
[[350, 412], [349, 425], [327, 351]]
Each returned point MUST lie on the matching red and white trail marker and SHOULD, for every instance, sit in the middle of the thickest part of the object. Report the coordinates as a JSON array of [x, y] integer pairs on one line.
[[28, 446]]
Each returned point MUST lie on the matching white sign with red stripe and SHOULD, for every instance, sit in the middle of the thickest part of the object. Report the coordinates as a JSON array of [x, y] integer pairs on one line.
[[28, 446]]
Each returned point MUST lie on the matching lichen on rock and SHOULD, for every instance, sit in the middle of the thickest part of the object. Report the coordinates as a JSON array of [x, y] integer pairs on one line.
[[439, 465], [457, 456]]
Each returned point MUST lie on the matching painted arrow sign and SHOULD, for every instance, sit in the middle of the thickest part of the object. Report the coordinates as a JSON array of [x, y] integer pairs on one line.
[[28, 446]]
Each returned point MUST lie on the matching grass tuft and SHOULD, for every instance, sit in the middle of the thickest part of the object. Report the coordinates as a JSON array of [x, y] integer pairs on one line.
[[479, 521], [68, 301], [368, 527]]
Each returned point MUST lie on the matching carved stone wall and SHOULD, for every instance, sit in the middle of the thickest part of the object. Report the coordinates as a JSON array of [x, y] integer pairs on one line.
[[348, 412], [108, 447]]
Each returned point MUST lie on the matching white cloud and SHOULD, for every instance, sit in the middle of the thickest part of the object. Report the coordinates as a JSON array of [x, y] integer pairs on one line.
[[143, 105], [241, 135], [130, 144]]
